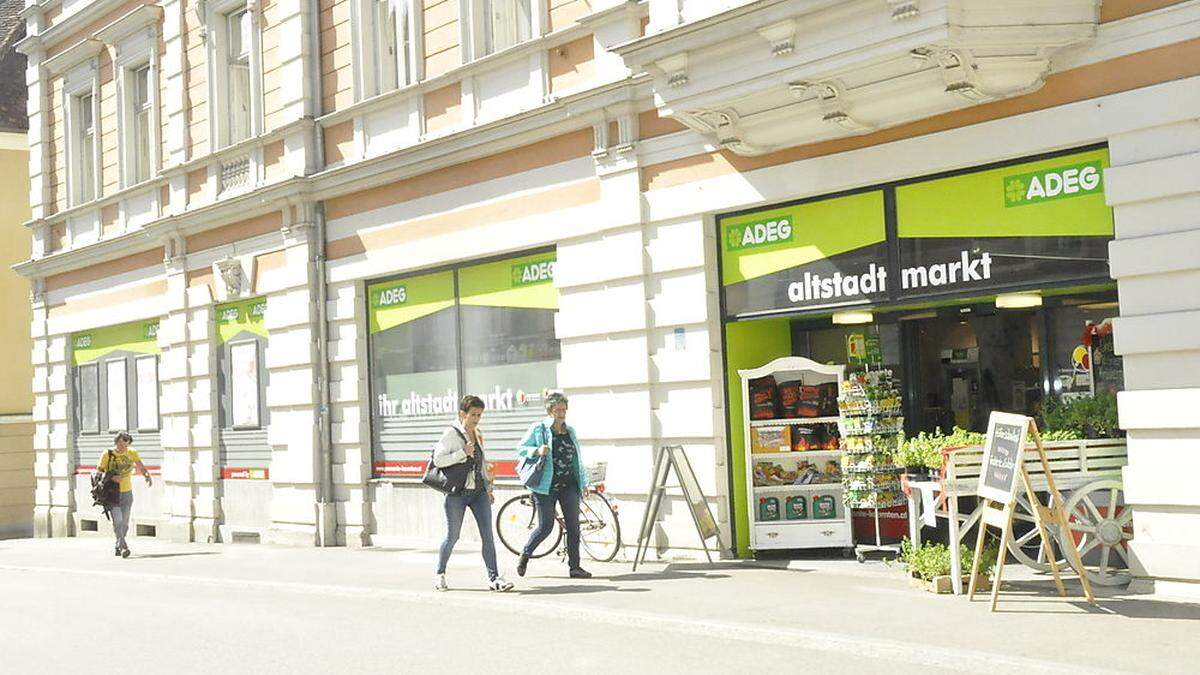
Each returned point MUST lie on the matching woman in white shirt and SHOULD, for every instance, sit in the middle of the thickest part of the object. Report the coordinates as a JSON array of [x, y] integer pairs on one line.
[[463, 443]]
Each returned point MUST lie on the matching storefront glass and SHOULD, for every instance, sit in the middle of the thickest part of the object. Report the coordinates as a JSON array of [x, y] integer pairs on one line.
[[486, 329]]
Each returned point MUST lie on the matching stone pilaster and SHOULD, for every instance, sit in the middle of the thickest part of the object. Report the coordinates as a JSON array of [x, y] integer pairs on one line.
[[348, 398], [292, 393], [189, 471], [54, 455], [1154, 188]]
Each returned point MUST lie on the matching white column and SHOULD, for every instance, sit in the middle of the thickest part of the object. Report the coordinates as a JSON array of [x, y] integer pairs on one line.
[[173, 71], [54, 461], [37, 105], [292, 377], [1154, 188], [189, 473], [348, 398]]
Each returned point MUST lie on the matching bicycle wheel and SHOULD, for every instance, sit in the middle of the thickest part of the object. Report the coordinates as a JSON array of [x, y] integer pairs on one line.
[[517, 520], [599, 528]]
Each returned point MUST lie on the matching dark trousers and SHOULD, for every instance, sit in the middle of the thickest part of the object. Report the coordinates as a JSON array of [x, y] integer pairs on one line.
[[568, 500]]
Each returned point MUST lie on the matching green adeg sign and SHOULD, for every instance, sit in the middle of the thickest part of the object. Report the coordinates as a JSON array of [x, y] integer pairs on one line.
[[758, 234], [533, 272], [1064, 182]]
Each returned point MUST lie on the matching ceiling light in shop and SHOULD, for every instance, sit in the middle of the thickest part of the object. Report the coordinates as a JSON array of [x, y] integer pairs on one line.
[[848, 318], [1018, 300]]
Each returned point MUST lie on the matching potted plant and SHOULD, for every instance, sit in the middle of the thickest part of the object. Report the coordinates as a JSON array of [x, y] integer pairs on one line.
[[929, 564], [1087, 416]]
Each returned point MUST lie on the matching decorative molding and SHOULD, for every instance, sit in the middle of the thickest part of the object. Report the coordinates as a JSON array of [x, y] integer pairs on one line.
[[675, 69], [831, 101], [145, 16], [723, 125], [903, 9], [81, 51], [782, 37]]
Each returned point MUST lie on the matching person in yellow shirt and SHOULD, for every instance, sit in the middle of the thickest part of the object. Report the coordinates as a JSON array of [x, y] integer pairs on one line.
[[121, 461]]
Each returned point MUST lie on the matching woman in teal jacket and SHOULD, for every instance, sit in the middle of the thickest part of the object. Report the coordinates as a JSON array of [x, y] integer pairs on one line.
[[562, 482]]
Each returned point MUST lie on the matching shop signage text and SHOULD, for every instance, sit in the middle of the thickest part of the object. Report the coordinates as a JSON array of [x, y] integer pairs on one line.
[[415, 404], [969, 268], [83, 342], [390, 297], [533, 272], [761, 233], [1040, 186]]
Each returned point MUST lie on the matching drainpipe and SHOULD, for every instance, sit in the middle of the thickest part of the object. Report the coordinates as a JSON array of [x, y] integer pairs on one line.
[[327, 504]]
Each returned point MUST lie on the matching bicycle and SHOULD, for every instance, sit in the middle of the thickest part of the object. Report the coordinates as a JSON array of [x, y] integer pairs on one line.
[[599, 527]]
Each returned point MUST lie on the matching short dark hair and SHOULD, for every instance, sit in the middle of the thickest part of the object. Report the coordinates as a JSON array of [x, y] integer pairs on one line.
[[122, 435], [470, 401], [554, 399]]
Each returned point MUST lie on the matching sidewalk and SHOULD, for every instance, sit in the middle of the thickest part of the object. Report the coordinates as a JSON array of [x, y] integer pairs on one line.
[[827, 606]]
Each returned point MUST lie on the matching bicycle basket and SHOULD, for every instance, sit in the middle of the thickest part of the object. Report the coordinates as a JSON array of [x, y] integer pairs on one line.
[[596, 472]]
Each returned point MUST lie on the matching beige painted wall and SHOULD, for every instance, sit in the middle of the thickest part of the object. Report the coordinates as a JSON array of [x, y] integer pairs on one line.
[[17, 378], [443, 52], [337, 74]]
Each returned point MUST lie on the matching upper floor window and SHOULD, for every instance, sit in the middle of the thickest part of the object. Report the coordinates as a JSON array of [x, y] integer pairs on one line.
[[393, 42], [140, 113], [84, 116], [506, 23], [238, 41]]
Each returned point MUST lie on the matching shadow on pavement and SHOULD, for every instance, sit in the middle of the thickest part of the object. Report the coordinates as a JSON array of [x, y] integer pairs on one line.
[[1029, 597], [665, 575], [577, 589], [148, 556]]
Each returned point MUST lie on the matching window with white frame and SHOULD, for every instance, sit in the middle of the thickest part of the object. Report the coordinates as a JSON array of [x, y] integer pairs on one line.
[[506, 23], [140, 125], [387, 45], [238, 42], [83, 116]]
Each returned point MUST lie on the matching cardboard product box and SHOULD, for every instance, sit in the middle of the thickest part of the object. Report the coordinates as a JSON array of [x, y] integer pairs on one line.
[[770, 439]]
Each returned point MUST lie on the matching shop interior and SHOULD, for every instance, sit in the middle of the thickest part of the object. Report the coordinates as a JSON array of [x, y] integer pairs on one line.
[[955, 363]]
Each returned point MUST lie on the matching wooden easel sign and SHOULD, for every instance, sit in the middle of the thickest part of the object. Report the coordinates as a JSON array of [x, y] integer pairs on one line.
[[1003, 462]]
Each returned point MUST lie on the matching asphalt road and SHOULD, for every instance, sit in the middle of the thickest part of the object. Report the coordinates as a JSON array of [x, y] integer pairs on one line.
[[68, 605]]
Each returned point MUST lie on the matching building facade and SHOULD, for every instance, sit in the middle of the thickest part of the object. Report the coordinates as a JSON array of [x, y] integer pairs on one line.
[[277, 239], [16, 397]]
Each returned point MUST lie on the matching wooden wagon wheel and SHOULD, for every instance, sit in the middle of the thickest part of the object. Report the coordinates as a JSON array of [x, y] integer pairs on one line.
[[1026, 544], [1099, 521]]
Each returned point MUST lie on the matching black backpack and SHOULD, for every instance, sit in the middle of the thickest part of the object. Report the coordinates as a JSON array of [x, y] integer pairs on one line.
[[106, 491]]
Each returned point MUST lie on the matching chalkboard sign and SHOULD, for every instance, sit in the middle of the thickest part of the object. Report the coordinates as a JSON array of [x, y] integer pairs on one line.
[[1003, 452], [666, 458]]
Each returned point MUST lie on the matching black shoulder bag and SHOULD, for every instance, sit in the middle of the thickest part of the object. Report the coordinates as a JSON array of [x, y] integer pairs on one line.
[[451, 480], [106, 492]]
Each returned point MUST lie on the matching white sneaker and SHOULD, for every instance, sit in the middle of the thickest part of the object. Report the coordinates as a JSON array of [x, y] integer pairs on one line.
[[500, 584], [439, 583]]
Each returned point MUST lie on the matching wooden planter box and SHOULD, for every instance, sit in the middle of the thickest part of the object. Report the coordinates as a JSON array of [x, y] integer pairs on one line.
[[944, 585]]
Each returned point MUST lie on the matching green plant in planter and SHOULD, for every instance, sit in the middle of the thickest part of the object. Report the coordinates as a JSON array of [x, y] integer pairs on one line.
[[925, 449], [1089, 417], [1061, 435], [932, 559]]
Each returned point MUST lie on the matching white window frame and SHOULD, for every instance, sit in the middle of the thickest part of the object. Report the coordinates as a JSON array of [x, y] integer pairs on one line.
[[119, 403], [477, 32], [134, 53], [146, 400], [80, 83], [217, 19], [409, 64]]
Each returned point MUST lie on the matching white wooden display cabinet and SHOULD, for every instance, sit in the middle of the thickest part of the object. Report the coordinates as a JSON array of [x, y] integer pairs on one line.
[[807, 532]]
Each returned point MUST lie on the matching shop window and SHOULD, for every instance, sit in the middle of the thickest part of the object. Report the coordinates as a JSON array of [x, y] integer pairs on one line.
[[486, 329], [146, 382], [242, 370], [116, 395], [88, 397], [1083, 361]]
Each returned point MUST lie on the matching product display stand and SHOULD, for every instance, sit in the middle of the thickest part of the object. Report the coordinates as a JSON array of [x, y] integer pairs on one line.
[[872, 428], [792, 452]]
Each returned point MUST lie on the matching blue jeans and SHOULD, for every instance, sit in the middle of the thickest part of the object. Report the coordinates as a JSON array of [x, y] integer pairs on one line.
[[120, 517], [567, 500], [456, 509]]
